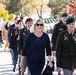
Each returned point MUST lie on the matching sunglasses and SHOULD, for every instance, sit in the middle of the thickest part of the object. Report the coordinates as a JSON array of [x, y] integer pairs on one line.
[[39, 24]]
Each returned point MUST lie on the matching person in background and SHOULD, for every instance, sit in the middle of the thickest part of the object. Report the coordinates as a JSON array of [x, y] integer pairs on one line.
[[11, 27], [5, 35], [10, 31], [59, 27], [66, 48], [18, 15], [14, 43], [23, 34], [34, 48], [2, 24]]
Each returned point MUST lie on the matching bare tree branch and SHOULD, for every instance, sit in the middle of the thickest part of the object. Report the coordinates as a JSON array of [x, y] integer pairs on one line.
[[36, 10], [41, 10]]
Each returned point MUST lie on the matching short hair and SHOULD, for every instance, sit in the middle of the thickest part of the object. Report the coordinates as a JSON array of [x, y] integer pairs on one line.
[[16, 18], [32, 29]]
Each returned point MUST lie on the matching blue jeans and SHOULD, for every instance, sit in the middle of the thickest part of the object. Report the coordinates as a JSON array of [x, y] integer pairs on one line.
[[14, 56]]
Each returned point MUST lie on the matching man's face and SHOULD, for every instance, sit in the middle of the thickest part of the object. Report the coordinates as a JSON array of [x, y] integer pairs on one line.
[[71, 26], [20, 25], [29, 24], [64, 19]]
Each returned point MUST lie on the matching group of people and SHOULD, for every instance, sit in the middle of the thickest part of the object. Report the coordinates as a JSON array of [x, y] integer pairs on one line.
[[31, 44], [64, 44], [28, 43], [17, 34]]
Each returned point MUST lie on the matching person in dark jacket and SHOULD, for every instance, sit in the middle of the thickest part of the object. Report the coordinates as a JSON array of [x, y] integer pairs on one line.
[[66, 48], [14, 43], [10, 31], [34, 48], [11, 27], [59, 27], [23, 34]]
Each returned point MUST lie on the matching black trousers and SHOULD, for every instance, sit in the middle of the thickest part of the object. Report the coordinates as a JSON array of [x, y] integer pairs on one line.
[[35, 68]]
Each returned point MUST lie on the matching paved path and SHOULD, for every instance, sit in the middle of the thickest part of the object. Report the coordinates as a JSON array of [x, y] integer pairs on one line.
[[6, 64]]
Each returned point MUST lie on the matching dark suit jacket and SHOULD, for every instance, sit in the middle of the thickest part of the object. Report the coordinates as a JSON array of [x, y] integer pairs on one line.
[[23, 34], [66, 50], [59, 27], [10, 30], [14, 39]]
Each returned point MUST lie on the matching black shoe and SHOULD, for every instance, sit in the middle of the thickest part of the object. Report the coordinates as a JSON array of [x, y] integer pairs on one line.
[[14, 68], [19, 68]]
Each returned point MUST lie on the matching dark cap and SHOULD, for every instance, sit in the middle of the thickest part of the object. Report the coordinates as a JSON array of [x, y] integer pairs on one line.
[[28, 19], [70, 20], [64, 14]]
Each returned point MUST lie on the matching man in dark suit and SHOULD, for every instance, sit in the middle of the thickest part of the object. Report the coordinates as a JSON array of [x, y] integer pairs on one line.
[[10, 30]]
